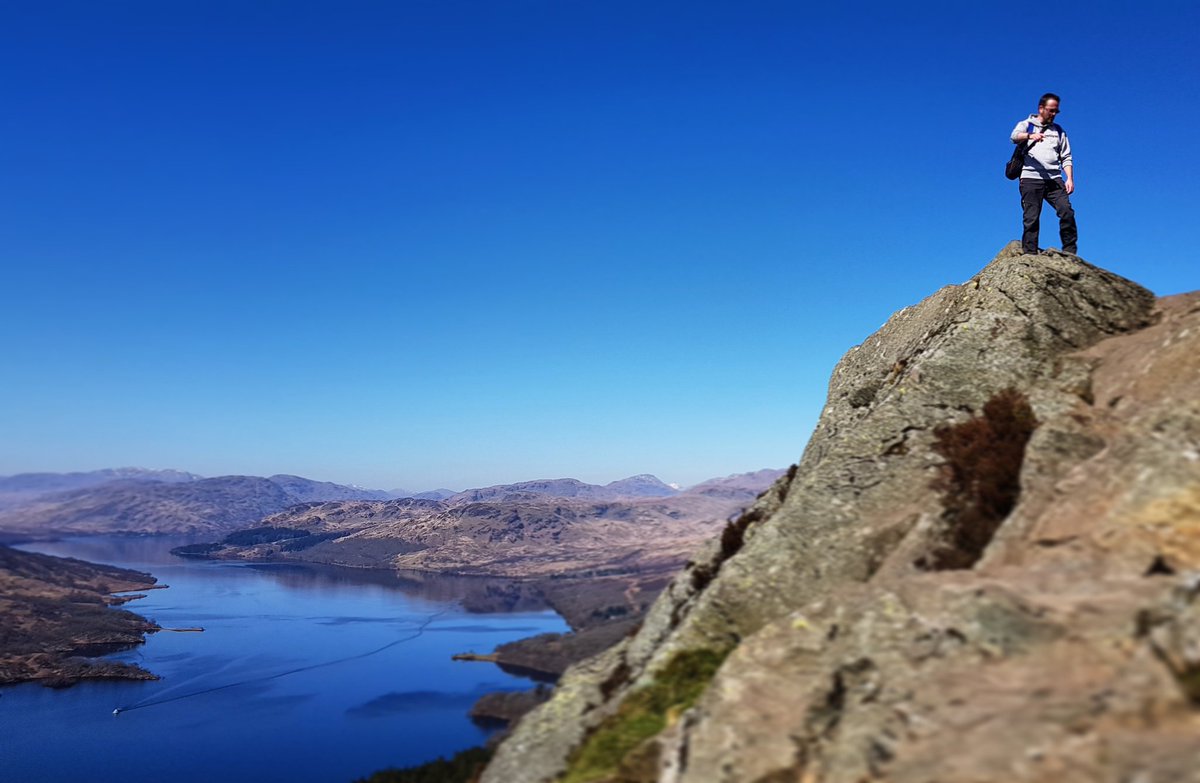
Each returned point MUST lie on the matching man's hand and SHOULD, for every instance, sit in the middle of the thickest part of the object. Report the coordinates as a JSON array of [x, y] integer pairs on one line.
[[1070, 186], [1036, 136]]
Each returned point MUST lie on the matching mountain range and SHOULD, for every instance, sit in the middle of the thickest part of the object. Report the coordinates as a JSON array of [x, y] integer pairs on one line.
[[24, 487], [138, 501], [145, 504], [531, 529]]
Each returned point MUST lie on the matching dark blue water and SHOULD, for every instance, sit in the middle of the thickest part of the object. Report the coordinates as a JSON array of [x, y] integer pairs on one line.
[[301, 674]]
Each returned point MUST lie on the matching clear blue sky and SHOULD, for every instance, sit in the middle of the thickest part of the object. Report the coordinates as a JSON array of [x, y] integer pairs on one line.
[[449, 243]]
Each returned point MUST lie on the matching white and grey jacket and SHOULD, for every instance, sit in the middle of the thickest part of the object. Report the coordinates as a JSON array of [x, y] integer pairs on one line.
[[1047, 157]]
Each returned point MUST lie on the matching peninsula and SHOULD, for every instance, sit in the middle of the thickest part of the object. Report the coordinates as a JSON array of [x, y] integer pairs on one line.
[[56, 613]]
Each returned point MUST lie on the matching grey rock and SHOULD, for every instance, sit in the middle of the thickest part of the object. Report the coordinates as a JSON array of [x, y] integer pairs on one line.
[[864, 482]]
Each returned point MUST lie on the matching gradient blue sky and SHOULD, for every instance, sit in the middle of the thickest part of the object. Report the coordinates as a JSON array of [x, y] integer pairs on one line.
[[446, 243]]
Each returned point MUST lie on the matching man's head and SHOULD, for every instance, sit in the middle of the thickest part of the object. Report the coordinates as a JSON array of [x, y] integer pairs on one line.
[[1048, 108]]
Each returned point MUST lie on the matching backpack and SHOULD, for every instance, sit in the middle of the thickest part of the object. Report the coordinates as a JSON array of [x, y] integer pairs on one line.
[[1012, 169]]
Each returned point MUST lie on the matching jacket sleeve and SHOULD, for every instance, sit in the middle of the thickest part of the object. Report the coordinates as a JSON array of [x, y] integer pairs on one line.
[[1019, 129], [1064, 149]]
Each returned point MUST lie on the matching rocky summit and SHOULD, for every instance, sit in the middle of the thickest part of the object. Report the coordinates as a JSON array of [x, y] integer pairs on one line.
[[985, 567]]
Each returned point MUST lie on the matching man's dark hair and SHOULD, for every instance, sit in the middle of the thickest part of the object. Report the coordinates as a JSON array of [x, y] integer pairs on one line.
[[1048, 97]]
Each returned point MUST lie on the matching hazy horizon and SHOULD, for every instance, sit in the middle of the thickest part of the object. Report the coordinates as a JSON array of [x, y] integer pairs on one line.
[[455, 486]]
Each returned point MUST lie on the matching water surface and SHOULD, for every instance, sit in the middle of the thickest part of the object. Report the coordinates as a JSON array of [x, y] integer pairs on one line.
[[301, 674]]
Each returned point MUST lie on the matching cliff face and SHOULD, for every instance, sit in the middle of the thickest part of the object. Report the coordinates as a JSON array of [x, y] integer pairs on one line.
[[977, 572]]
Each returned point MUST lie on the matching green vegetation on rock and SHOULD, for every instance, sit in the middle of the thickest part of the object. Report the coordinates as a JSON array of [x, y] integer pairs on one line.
[[462, 767], [644, 713]]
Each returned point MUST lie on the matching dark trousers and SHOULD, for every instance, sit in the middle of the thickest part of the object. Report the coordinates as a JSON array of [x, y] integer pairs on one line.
[[1033, 191]]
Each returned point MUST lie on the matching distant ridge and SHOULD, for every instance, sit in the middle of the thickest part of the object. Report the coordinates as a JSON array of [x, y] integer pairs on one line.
[[148, 502], [433, 494], [52, 482], [731, 486], [24, 487], [640, 486], [136, 500], [308, 491]]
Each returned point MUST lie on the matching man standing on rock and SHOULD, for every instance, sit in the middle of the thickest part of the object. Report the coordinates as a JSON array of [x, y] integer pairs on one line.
[[1047, 156]]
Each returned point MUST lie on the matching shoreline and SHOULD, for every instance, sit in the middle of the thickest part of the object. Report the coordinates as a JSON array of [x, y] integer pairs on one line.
[[58, 614], [587, 605]]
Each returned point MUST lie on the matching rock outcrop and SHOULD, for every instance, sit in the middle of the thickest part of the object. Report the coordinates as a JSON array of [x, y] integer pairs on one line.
[[984, 567]]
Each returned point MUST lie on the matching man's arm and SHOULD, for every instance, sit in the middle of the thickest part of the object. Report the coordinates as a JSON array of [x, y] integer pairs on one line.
[[1019, 135], [1068, 164]]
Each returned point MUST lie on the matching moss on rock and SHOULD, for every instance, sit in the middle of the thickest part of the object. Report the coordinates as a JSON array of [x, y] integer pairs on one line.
[[644, 713]]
